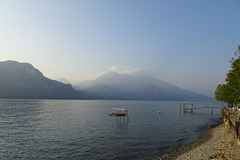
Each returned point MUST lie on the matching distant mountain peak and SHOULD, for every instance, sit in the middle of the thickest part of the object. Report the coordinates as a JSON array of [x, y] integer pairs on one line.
[[137, 87], [110, 74], [16, 68], [12, 62], [22, 80], [9, 61]]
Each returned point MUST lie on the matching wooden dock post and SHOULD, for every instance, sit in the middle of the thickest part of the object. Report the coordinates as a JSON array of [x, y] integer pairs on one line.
[[180, 107], [184, 106], [191, 108]]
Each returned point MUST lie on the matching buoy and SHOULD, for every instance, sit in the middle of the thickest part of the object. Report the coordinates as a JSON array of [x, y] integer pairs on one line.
[[159, 112]]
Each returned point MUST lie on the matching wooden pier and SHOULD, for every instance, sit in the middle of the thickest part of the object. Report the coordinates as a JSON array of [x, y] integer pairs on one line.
[[191, 108]]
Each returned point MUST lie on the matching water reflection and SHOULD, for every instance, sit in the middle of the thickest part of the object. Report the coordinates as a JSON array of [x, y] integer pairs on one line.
[[20, 110], [122, 122]]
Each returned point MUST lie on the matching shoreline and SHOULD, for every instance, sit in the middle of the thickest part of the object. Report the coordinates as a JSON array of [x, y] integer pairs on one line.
[[218, 144]]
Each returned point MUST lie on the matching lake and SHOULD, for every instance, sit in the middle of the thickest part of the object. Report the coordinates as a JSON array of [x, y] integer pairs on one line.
[[81, 129]]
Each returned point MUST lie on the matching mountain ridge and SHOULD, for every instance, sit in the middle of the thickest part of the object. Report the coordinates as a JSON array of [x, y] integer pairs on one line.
[[22, 80], [136, 87]]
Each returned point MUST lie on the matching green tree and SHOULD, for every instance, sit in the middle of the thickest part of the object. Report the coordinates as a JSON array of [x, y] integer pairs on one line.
[[230, 92], [224, 93], [219, 93]]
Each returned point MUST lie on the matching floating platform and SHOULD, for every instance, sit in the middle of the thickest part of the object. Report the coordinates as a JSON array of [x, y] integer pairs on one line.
[[120, 112], [116, 114]]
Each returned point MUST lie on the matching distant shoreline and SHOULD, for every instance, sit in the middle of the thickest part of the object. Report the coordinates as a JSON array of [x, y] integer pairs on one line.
[[219, 142]]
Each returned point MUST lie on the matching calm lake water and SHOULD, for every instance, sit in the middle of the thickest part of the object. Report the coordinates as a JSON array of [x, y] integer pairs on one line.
[[80, 129]]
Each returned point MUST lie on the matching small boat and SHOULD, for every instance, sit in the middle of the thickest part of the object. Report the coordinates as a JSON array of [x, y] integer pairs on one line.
[[119, 112]]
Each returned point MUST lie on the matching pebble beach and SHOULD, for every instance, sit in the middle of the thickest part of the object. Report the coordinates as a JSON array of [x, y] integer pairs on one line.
[[219, 144]]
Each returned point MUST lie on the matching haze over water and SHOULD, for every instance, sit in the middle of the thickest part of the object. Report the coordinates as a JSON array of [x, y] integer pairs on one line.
[[65, 129], [185, 43]]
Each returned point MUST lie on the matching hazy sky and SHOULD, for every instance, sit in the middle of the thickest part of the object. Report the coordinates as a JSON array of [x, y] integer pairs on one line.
[[187, 43]]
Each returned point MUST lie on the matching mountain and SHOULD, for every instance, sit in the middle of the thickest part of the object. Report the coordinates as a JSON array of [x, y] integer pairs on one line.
[[138, 87], [22, 80], [63, 80]]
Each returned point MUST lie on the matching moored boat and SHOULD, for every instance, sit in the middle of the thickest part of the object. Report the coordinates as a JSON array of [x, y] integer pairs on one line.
[[119, 112]]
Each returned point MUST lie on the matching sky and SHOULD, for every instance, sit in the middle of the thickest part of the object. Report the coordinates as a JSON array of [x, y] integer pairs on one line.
[[187, 43]]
